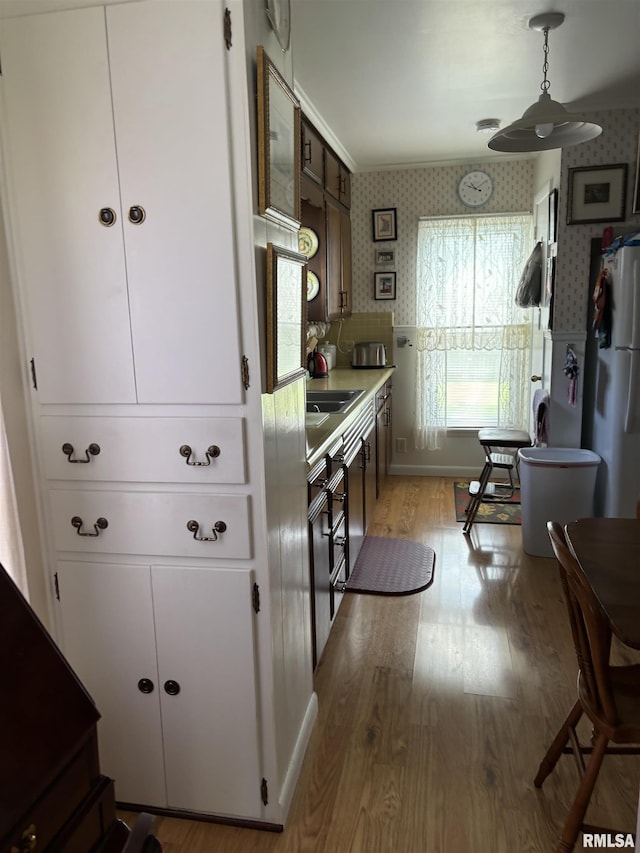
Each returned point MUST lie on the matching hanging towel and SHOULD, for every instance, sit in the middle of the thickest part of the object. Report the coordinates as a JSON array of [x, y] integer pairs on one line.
[[529, 291], [602, 310], [541, 417], [572, 371]]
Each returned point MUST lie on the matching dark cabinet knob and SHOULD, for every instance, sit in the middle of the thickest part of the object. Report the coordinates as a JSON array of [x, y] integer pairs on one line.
[[172, 688], [145, 685], [137, 214], [107, 216]]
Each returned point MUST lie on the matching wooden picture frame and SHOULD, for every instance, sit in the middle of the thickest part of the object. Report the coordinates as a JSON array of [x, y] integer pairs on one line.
[[278, 145], [636, 189], [384, 285], [286, 316], [597, 194], [385, 226], [384, 257]]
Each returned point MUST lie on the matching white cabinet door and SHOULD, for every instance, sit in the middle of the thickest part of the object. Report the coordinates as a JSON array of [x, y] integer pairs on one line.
[[205, 637], [62, 170], [169, 100], [108, 638], [198, 726], [125, 113]]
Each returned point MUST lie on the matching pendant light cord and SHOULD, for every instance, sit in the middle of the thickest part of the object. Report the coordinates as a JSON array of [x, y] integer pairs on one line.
[[545, 65]]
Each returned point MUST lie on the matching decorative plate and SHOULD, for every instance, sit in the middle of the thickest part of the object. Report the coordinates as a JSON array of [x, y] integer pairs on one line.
[[313, 285], [307, 242]]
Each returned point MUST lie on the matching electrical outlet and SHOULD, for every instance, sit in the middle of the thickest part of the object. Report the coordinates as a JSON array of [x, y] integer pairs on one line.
[[349, 345], [401, 445]]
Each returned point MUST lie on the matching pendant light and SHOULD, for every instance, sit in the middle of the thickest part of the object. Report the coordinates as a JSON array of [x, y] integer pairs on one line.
[[546, 124]]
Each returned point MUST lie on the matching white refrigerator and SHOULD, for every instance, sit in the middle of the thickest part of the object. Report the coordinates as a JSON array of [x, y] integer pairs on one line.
[[612, 421]]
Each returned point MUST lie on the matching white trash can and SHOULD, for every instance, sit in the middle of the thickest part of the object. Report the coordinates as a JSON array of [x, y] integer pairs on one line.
[[556, 484]]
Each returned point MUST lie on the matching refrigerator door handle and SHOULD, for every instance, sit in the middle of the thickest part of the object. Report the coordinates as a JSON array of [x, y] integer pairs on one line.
[[632, 414]]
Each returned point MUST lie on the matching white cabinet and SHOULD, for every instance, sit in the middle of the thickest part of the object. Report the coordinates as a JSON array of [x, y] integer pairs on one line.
[[118, 121], [168, 658], [118, 162]]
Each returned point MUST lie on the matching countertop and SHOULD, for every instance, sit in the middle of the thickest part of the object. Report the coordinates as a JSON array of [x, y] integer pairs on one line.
[[321, 438]]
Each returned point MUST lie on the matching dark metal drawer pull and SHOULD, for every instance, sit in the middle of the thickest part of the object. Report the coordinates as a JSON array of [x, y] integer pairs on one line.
[[92, 450], [101, 524], [212, 453], [146, 685], [218, 527]]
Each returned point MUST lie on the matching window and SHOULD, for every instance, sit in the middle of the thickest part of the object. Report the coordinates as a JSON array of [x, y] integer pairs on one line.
[[472, 340]]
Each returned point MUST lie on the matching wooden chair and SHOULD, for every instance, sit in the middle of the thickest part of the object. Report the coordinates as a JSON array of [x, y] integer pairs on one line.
[[608, 695]]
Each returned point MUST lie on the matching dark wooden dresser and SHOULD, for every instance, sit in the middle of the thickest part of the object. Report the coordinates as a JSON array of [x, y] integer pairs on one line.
[[53, 798]]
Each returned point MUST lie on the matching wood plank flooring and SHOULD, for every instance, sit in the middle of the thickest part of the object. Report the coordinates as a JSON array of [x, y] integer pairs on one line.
[[436, 708]]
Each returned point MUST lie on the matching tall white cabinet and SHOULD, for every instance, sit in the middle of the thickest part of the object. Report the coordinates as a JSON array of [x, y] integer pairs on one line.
[[117, 158], [123, 154]]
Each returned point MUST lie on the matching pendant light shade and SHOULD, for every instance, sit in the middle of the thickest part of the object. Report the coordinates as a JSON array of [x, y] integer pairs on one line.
[[545, 124]]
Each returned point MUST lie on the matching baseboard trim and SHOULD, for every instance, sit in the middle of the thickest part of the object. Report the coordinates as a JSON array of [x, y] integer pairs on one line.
[[295, 765], [458, 472]]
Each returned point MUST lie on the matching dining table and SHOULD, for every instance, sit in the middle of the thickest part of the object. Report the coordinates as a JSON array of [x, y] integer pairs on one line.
[[608, 551]]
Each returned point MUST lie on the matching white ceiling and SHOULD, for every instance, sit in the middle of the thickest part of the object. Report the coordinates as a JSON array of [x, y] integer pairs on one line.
[[402, 82]]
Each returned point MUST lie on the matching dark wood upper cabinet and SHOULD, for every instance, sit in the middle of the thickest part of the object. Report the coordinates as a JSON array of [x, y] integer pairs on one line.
[[312, 153], [325, 189], [337, 179]]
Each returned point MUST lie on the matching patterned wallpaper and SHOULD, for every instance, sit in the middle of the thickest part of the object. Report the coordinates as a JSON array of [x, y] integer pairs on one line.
[[618, 143], [428, 191]]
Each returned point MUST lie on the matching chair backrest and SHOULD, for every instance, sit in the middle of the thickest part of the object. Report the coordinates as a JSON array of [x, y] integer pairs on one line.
[[589, 628]]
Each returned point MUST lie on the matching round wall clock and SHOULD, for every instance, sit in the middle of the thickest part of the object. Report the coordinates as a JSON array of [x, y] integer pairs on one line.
[[279, 15], [475, 188]]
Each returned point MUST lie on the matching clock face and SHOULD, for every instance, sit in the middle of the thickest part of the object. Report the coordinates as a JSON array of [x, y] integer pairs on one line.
[[475, 189]]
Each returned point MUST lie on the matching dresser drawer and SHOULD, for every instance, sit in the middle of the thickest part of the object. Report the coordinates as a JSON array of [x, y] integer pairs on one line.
[[144, 450], [151, 523]]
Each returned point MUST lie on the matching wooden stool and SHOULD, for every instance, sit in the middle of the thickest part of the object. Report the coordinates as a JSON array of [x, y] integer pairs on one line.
[[484, 490]]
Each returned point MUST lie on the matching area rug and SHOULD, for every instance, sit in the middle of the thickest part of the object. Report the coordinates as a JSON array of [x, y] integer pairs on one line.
[[489, 512], [392, 567]]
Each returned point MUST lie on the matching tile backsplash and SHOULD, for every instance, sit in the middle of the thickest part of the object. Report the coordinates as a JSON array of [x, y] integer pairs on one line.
[[371, 326]]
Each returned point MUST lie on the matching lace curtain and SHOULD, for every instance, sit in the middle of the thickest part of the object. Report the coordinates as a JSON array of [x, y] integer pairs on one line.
[[468, 269]]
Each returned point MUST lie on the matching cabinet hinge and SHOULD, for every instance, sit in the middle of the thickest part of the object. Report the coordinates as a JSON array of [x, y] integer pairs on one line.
[[256, 597], [264, 792], [56, 586], [245, 372], [227, 28], [34, 379]]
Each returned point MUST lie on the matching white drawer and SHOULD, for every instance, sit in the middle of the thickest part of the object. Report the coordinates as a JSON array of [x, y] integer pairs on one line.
[[150, 523], [144, 450]]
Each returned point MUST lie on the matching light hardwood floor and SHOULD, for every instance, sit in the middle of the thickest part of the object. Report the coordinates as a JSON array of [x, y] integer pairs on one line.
[[436, 708]]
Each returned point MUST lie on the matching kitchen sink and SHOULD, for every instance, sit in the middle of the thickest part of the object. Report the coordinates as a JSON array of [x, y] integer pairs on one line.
[[333, 401]]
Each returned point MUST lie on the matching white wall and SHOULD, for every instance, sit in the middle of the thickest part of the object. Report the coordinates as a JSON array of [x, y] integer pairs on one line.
[[283, 462]]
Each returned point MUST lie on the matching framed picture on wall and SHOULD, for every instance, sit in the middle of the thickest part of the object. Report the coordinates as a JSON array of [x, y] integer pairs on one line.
[[384, 285], [385, 256], [286, 293], [278, 145], [384, 224], [597, 194]]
